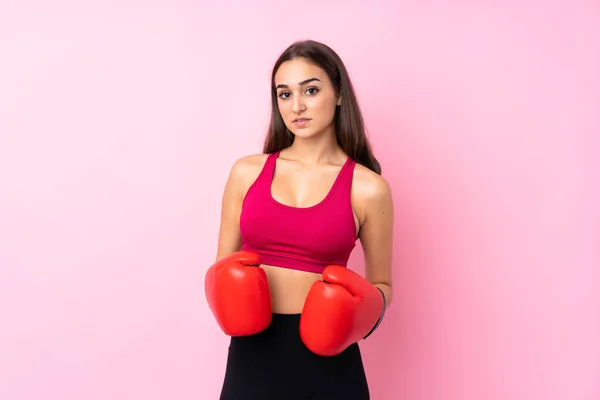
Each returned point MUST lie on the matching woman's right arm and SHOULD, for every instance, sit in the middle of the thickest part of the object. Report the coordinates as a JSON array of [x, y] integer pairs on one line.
[[230, 239]]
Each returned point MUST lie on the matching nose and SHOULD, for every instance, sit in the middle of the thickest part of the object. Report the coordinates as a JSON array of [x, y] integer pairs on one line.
[[298, 104]]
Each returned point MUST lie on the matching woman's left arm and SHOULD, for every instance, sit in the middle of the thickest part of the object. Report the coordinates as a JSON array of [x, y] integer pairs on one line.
[[376, 235]]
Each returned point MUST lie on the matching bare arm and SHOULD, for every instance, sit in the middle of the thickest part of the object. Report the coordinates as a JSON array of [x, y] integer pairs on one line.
[[230, 239], [376, 236]]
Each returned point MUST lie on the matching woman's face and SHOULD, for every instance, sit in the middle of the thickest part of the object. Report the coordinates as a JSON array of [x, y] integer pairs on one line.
[[306, 98]]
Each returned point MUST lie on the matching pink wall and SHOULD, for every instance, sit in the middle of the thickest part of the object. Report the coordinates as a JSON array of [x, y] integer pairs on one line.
[[118, 125]]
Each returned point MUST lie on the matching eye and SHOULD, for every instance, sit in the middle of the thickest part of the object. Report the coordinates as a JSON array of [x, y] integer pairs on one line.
[[282, 95], [312, 91]]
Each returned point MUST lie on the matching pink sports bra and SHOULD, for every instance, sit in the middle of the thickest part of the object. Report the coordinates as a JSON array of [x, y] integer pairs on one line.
[[306, 239]]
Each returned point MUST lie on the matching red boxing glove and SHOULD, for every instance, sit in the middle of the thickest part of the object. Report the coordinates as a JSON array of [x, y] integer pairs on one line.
[[340, 310], [238, 294]]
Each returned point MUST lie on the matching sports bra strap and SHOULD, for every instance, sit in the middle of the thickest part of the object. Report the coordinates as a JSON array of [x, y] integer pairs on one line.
[[344, 184], [266, 174]]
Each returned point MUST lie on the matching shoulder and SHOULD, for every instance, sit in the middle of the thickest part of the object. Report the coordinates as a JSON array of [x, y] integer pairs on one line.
[[371, 194], [370, 186], [246, 169], [249, 162]]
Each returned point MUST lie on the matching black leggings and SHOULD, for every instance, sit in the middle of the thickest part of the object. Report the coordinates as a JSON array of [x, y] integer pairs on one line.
[[276, 365]]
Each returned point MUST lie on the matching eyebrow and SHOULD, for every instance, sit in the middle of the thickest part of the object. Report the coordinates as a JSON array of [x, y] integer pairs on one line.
[[304, 82]]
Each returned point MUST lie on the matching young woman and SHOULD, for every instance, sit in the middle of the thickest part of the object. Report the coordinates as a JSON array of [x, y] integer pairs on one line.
[[290, 219]]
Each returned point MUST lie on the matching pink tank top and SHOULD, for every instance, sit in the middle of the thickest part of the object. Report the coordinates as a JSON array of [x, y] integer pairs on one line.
[[306, 239]]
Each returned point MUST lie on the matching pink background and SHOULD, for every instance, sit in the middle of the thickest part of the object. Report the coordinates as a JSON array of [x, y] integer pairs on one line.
[[119, 122]]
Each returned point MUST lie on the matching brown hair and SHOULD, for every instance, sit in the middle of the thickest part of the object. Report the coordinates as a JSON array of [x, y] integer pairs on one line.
[[349, 125]]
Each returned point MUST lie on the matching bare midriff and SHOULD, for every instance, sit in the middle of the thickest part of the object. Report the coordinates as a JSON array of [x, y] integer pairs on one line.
[[289, 288]]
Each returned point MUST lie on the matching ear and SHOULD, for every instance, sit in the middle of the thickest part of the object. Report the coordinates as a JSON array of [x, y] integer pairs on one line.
[[339, 101]]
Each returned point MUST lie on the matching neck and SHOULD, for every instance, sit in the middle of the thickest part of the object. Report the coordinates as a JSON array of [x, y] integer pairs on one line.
[[322, 149]]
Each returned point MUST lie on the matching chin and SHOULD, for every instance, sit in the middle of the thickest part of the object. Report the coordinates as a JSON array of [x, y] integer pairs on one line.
[[304, 133]]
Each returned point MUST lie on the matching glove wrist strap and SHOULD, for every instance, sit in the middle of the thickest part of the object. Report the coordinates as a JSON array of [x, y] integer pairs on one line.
[[381, 315]]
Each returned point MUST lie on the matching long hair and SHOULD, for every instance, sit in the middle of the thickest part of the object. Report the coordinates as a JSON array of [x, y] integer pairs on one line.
[[349, 125]]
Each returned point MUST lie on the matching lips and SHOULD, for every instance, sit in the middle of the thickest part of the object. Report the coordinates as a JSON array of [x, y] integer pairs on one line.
[[301, 122]]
